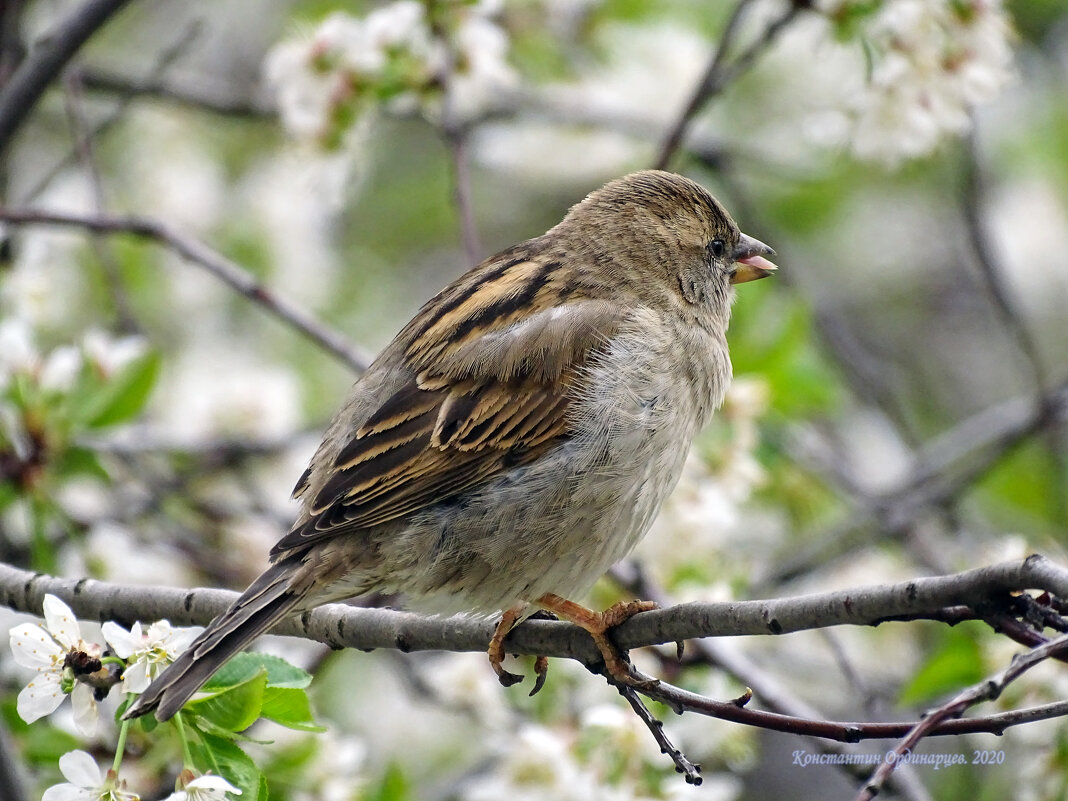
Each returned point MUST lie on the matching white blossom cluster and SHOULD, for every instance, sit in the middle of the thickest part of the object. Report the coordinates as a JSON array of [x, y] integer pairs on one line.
[[327, 82], [57, 370], [609, 756], [51, 650], [930, 62]]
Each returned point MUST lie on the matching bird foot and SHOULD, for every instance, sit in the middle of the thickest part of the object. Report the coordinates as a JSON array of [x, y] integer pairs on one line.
[[495, 651], [598, 625]]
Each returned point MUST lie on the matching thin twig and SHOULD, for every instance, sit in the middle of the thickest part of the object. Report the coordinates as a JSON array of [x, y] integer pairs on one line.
[[955, 707], [719, 653], [690, 771], [196, 252], [973, 204], [45, 61], [166, 59], [461, 170], [941, 471], [455, 133], [200, 97], [83, 147], [720, 73]]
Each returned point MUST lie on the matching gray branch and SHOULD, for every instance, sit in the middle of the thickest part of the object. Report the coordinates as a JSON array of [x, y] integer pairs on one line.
[[47, 59], [341, 626], [196, 252]]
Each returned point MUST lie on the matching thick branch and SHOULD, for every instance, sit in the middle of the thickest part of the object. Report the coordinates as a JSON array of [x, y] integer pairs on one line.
[[46, 60], [342, 626], [196, 252]]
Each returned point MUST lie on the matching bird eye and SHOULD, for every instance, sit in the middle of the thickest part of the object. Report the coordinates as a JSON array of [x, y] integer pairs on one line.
[[717, 248]]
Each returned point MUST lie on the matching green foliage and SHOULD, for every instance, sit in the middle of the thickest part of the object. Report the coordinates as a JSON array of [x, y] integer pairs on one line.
[[243, 666], [250, 686], [222, 757], [121, 397], [46, 416], [772, 336], [1024, 491], [957, 663], [40, 744], [392, 786]]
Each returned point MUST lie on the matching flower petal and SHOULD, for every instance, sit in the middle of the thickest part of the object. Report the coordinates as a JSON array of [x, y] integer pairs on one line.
[[135, 678], [61, 623], [68, 792], [212, 783], [81, 770], [40, 697], [181, 639], [85, 712], [160, 630], [122, 642], [33, 647]]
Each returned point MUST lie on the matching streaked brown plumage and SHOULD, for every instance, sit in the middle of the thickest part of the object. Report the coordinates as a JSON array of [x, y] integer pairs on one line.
[[518, 436]]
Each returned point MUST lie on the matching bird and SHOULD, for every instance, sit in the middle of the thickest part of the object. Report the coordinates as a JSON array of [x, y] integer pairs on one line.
[[519, 435]]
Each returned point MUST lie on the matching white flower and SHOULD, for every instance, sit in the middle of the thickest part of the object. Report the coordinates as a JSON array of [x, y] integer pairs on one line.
[[17, 350], [304, 94], [149, 651], [110, 354], [204, 788], [61, 368], [536, 765], [45, 649], [85, 782], [483, 72], [932, 62]]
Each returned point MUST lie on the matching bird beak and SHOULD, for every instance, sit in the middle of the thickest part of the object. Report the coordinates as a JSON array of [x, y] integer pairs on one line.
[[749, 261]]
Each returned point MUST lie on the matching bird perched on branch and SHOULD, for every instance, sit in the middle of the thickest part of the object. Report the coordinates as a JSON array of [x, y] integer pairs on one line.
[[519, 435]]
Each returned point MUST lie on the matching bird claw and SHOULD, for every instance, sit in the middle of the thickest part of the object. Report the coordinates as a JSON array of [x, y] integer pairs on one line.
[[541, 670], [507, 678]]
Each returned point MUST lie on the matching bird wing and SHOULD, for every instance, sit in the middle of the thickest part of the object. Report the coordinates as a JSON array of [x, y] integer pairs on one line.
[[487, 389]]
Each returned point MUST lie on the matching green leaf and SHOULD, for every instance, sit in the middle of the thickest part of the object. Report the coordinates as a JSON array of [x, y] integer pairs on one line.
[[956, 664], [289, 707], [223, 758], [38, 743], [244, 666], [80, 461], [394, 786], [125, 395], [148, 723], [235, 708], [8, 493]]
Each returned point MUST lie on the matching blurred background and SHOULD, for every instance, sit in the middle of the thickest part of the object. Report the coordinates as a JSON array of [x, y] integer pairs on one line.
[[900, 386]]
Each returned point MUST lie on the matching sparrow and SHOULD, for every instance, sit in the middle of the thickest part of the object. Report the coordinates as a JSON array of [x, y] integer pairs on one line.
[[519, 435]]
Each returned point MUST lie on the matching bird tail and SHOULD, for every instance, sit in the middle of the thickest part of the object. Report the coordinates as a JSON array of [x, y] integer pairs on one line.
[[264, 603]]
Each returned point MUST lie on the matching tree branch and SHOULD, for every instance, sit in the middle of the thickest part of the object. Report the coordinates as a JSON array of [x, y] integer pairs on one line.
[[201, 97], [941, 470], [45, 61], [340, 626], [720, 73], [955, 707], [196, 252]]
